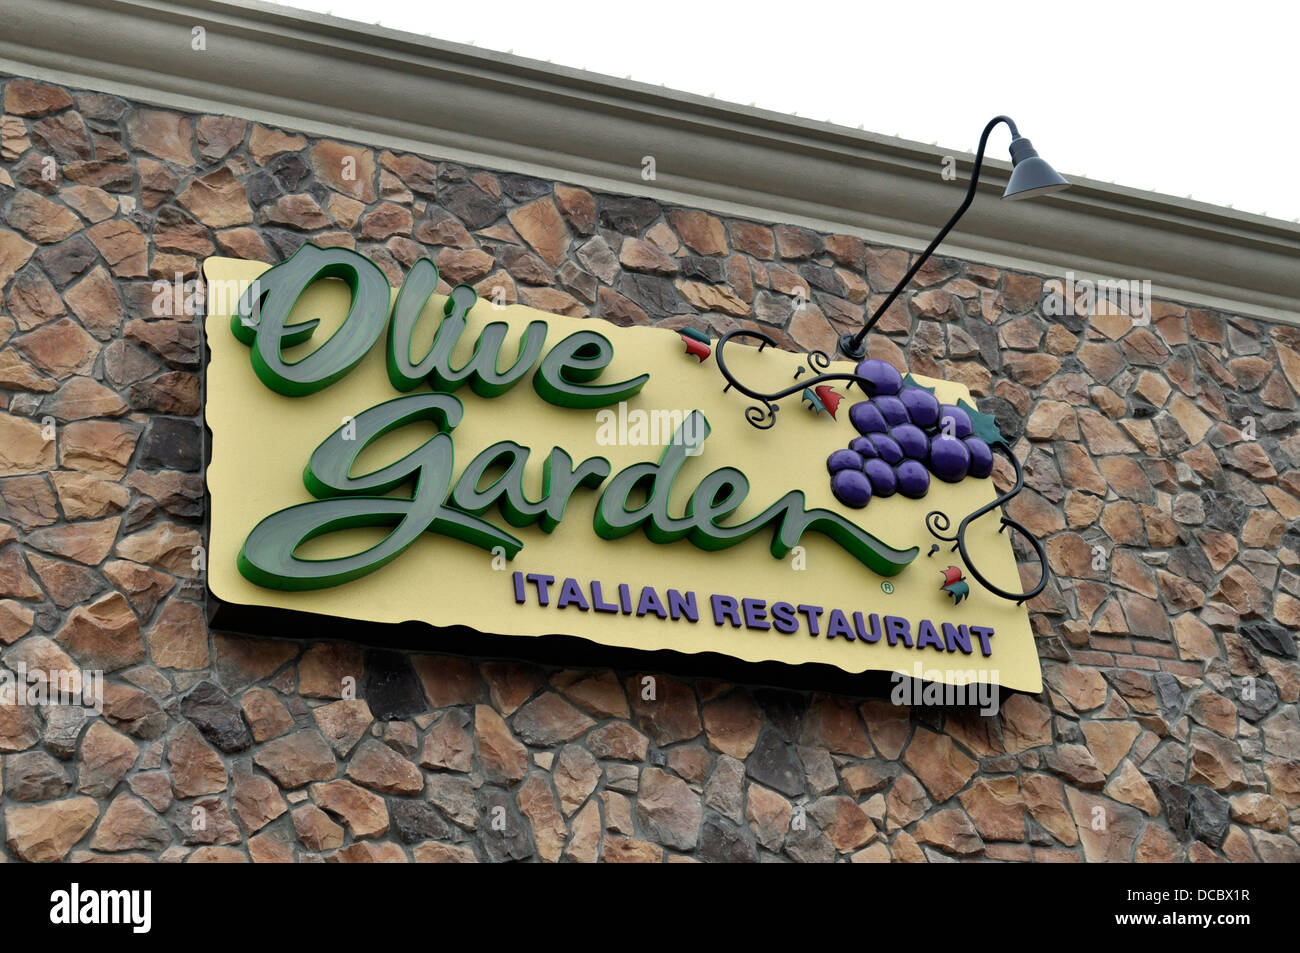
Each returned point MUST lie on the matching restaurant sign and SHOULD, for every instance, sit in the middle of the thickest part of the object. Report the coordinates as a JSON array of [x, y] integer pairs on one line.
[[421, 454]]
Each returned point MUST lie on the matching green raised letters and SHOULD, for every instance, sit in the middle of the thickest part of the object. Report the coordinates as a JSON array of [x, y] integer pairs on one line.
[[717, 496], [260, 316], [565, 372], [481, 370], [269, 555]]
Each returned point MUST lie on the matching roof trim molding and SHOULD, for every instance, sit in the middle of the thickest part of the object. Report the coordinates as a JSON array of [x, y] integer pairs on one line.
[[384, 88]]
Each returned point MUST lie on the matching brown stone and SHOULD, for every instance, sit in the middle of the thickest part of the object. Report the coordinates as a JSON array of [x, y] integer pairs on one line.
[[769, 816], [144, 587], [888, 725], [664, 708], [15, 580], [630, 850], [33, 300], [61, 348], [380, 768], [553, 301], [952, 832], [834, 724], [195, 767], [449, 744], [537, 803], [668, 810], [343, 723], [123, 246], [638, 255], [298, 759], [40, 219], [266, 144], [130, 824], [576, 775], [265, 715], [1129, 787], [385, 221], [15, 621], [732, 724], [25, 97], [433, 852], [502, 758], [1076, 764], [105, 757], [315, 829], [448, 680], [166, 135], [1109, 741], [1083, 688], [244, 243], [460, 266], [66, 584], [346, 169], [548, 720], [257, 801], [103, 635], [23, 447], [843, 822], [618, 741], [996, 807], [217, 200], [44, 833], [218, 135], [540, 224], [295, 211], [17, 374], [584, 842], [327, 669], [104, 448], [699, 230], [598, 693], [364, 813], [1215, 761], [241, 661], [939, 765], [1046, 804], [1107, 831], [755, 240]]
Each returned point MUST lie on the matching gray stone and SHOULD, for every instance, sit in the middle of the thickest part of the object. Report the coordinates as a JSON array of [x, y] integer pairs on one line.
[[725, 843], [1210, 814], [774, 764], [505, 835], [217, 717], [415, 822], [390, 686], [35, 776]]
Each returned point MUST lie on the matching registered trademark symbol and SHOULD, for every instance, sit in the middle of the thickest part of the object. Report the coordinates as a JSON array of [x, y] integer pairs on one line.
[[887, 588]]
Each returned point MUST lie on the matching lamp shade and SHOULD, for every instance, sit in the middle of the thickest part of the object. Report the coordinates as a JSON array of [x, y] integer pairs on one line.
[[1030, 174]]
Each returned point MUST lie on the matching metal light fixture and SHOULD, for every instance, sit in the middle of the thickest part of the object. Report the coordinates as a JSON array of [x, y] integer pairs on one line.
[[1031, 176]]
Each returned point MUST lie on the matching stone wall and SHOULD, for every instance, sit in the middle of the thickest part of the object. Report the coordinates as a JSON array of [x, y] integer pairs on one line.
[[1172, 673]]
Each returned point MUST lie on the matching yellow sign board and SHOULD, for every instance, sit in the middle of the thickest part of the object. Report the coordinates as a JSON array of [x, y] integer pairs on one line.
[[642, 584]]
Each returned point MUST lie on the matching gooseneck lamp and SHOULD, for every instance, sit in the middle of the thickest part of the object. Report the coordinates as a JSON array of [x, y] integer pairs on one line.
[[1031, 176]]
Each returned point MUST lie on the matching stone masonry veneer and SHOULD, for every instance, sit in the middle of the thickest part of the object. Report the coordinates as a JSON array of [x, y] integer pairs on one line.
[[1171, 671]]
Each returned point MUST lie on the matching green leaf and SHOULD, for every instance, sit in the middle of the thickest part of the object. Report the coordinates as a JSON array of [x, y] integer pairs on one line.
[[984, 425], [910, 381]]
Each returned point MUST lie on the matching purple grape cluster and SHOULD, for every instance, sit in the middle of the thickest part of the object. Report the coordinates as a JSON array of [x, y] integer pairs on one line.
[[903, 440]]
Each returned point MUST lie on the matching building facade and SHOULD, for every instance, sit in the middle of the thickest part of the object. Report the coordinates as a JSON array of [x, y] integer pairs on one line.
[[1160, 451]]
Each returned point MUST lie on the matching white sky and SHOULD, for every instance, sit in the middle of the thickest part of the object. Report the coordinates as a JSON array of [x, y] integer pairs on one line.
[[1191, 98]]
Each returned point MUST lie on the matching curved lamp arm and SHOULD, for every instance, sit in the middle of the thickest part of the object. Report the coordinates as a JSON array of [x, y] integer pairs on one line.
[[853, 346]]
